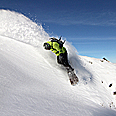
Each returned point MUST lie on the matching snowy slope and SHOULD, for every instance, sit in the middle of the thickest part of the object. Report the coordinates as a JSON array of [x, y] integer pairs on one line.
[[33, 84]]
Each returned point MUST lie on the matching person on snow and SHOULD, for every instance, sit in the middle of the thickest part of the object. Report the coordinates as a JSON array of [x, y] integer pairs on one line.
[[56, 46]]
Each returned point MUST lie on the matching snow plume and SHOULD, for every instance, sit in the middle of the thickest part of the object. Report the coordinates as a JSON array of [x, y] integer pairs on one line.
[[21, 28], [18, 27]]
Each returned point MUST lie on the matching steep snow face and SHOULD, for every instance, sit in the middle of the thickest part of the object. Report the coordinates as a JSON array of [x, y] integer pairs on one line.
[[33, 84]]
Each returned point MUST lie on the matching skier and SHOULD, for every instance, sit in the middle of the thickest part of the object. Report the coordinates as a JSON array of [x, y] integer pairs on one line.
[[56, 46]]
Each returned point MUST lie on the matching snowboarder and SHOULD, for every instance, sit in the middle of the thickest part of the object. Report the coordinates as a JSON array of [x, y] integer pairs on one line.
[[56, 46]]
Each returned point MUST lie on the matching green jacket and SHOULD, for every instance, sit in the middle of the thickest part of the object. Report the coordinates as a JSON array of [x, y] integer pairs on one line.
[[55, 48]]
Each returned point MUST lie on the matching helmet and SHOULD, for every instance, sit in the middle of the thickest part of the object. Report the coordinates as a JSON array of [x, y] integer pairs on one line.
[[47, 46]]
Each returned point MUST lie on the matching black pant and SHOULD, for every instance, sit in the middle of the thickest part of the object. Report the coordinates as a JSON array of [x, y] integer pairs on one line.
[[63, 59]]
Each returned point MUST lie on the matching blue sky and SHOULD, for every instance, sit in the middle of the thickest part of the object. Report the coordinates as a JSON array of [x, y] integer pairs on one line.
[[89, 24]]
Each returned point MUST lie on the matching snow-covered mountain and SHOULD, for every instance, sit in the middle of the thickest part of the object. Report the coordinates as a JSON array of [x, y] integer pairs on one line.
[[33, 84]]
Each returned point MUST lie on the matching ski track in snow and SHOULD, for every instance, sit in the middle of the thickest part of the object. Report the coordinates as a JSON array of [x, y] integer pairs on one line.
[[33, 84]]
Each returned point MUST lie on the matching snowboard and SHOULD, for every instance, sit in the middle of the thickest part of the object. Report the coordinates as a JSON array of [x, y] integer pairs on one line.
[[72, 77]]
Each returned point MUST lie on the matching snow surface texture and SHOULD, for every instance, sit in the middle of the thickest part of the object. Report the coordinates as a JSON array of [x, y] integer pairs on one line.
[[33, 84]]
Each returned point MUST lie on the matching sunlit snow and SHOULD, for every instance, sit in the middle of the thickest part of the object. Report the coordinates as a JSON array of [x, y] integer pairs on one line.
[[33, 84]]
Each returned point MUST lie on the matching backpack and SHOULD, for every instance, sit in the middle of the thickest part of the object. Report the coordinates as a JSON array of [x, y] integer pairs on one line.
[[59, 41]]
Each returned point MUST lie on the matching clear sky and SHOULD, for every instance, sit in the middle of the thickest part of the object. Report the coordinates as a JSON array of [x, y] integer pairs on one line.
[[89, 24]]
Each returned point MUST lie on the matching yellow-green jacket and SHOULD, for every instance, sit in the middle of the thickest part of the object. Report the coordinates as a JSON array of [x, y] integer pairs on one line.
[[55, 48]]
